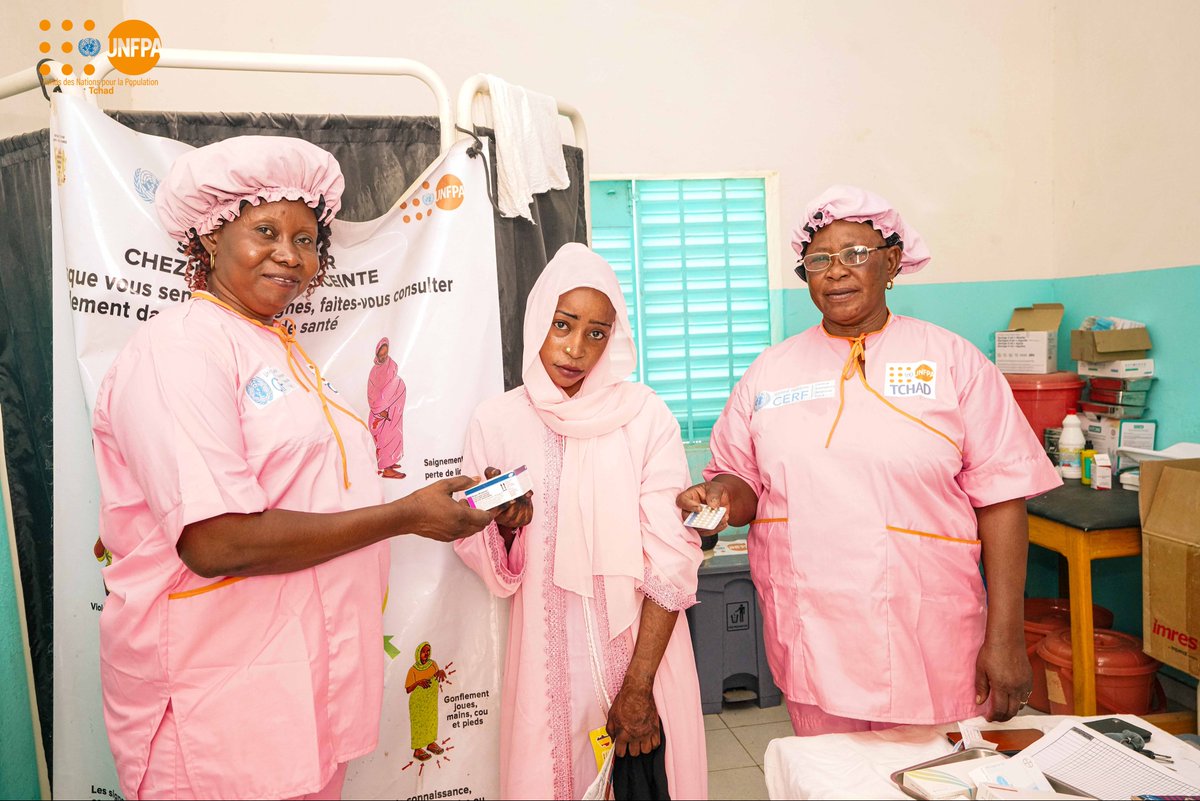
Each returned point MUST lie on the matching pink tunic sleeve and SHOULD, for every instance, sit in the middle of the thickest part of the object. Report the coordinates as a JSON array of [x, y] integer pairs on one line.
[[731, 442], [672, 551], [1002, 459], [484, 552], [169, 414]]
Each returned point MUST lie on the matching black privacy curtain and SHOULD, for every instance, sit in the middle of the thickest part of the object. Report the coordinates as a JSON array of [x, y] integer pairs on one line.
[[380, 156]]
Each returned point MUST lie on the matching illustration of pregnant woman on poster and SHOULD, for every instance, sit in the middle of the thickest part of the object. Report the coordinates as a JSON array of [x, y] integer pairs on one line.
[[423, 684], [385, 395]]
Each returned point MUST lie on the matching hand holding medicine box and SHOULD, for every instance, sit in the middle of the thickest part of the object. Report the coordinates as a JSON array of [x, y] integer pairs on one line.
[[499, 490]]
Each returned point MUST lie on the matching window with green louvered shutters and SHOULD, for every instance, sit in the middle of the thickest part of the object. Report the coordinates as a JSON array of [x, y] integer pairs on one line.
[[691, 255]]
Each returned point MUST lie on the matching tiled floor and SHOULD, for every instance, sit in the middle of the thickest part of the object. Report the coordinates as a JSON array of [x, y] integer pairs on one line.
[[737, 741]]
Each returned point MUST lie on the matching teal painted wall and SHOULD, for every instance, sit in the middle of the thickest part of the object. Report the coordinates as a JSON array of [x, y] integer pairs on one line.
[[1166, 300], [18, 759]]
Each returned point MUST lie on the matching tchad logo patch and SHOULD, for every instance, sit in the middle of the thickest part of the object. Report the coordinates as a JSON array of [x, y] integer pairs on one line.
[[911, 380]]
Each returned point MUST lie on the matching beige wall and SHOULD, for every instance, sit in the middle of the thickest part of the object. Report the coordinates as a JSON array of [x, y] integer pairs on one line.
[[1126, 136], [990, 125]]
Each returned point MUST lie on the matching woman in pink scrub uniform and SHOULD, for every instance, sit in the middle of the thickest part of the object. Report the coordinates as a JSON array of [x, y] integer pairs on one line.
[[600, 567], [878, 459], [240, 642]]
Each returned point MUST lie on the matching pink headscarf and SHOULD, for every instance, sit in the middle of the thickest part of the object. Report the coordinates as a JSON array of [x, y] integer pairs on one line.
[[858, 205], [205, 187], [599, 517]]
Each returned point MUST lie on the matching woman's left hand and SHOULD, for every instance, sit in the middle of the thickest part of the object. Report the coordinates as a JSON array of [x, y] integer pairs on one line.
[[515, 514], [1003, 671], [633, 722]]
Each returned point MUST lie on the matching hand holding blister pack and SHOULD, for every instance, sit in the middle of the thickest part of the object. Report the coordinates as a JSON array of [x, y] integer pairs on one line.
[[707, 517], [499, 490]]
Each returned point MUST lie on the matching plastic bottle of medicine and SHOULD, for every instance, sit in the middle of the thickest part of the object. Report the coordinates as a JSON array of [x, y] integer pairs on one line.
[[1070, 447], [1087, 458]]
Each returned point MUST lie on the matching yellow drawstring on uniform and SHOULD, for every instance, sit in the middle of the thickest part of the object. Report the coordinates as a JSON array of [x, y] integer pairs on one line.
[[854, 364], [284, 333]]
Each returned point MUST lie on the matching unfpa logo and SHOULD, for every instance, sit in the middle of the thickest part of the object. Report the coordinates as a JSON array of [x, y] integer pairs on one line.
[[449, 192], [448, 195], [133, 46]]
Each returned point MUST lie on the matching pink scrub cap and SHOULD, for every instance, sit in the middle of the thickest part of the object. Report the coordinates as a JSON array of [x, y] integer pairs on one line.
[[205, 187], [858, 205]]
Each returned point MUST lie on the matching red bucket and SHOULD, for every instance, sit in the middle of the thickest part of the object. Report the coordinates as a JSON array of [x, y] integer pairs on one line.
[[1044, 616], [1125, 677], [1046, 399]]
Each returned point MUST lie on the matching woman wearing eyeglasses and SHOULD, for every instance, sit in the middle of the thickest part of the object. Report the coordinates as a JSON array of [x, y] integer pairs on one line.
[[879, 459]]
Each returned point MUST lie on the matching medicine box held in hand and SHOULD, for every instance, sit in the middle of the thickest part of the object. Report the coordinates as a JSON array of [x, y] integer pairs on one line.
[[499, 490]]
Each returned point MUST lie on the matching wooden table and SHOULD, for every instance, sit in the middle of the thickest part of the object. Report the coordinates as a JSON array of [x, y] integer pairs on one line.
[[1083, 525]]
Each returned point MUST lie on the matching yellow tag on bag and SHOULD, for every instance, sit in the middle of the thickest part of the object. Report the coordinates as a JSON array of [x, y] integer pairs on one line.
[[601, 744]]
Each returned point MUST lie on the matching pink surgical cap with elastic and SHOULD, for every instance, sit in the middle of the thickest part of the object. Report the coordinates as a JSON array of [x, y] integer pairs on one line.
[[206, 187], [858, 205]]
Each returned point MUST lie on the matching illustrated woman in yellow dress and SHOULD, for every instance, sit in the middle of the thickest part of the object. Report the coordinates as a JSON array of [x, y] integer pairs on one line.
[[423, 684]]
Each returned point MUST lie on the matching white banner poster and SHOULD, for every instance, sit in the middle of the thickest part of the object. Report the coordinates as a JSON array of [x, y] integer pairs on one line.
[[423, 277]]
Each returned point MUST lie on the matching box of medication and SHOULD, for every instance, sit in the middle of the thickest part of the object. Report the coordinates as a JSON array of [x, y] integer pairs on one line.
[[499, 490]]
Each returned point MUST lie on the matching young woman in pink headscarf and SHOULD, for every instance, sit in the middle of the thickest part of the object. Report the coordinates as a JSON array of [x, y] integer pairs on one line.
[[878, 459], [598, 563]]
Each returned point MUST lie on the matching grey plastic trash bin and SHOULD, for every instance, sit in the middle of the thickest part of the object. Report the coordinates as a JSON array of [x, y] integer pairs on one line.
[[727, 634]]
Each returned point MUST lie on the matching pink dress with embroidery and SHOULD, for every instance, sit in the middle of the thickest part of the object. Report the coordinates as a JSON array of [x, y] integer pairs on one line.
[[549, 701]]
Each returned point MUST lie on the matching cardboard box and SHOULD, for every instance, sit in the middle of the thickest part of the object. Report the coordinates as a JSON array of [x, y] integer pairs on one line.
[[1111, 345], [1102, 472], [1121, 368], [1169, 502], [1106, 434], [1030, 345]]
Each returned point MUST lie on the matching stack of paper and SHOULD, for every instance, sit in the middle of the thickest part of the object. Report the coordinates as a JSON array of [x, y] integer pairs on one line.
[[949, 781], [1090, 763], [1017, 773], [996, 792]]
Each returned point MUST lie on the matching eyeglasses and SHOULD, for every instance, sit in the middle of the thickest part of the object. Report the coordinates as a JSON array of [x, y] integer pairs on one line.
[[851, 257]]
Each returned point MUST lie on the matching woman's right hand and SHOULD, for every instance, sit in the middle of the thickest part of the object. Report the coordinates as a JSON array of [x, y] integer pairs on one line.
[[439, 517], [709, 493]]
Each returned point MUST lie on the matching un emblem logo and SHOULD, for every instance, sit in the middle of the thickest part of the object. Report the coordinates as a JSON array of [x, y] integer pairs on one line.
[[145, 183], [89, 46], [761, 400], [258, 391]]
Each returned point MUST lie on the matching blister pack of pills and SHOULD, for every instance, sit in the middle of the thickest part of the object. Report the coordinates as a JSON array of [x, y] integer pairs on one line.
[[707, 517]]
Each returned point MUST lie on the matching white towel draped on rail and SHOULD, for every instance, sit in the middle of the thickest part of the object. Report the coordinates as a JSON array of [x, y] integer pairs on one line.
[[529, 157]]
